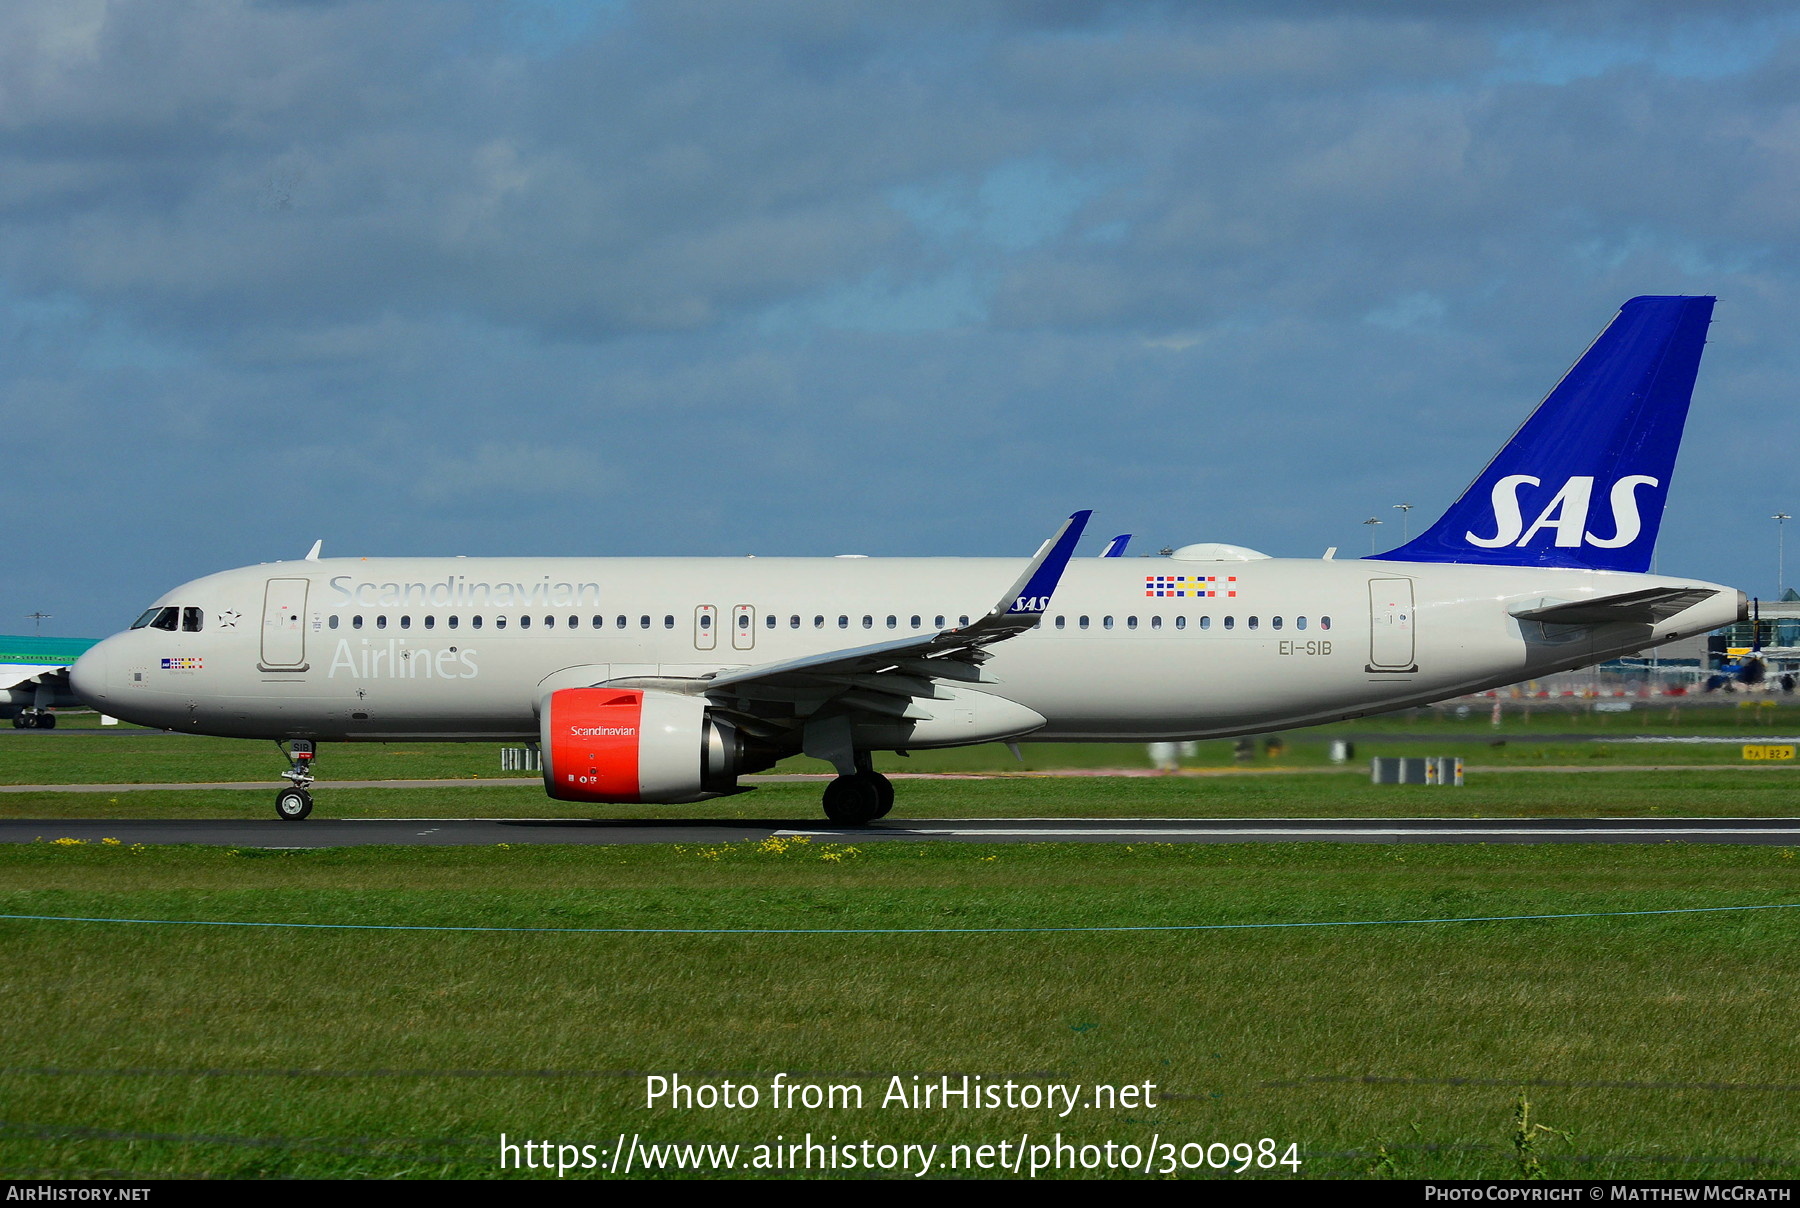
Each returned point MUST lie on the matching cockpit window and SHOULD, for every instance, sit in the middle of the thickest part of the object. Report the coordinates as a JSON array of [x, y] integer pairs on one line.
[[159, 618], [192, 619]]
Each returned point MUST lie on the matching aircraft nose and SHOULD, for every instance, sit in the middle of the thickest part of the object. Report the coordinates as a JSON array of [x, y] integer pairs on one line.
[[88, 677]]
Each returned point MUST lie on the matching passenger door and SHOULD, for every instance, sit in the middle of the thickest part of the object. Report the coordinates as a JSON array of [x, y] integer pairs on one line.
[[1391, 644]]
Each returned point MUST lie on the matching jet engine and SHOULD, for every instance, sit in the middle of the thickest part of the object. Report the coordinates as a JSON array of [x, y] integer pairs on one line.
[[628, 745]]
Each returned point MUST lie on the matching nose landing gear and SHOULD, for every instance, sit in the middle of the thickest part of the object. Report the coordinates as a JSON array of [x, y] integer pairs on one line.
[[294, 802]]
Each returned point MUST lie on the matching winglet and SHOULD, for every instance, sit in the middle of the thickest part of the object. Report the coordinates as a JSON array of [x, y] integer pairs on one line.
[[1116, 547], [1030, 594]]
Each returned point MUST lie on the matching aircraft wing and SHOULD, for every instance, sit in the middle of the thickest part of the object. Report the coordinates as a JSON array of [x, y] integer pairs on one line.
[[35, 687], [1648, 606], [1019, 610], [885, 677]]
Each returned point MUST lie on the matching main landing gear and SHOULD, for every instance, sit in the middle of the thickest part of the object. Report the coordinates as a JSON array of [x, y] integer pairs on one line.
[[294, 802], [34, 719], [860, 798]]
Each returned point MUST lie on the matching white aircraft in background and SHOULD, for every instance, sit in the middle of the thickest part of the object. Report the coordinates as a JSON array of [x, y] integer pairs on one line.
[[34, 678], [664, 680]]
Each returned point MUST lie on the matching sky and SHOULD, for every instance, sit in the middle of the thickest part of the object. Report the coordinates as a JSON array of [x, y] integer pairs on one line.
[[810, 277]]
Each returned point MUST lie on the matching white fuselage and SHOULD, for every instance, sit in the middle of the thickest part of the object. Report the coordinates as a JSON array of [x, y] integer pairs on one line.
[[467, 648]]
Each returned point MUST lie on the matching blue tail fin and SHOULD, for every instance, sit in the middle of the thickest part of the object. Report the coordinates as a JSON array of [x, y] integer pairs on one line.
[[1582, 482]]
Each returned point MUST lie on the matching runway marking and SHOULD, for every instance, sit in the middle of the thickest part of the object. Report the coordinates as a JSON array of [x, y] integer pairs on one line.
[[898, 833]]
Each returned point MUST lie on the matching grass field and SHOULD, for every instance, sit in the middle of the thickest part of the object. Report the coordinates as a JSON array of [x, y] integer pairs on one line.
[[1648, 1046], [1513, 772], [1663, 1046]]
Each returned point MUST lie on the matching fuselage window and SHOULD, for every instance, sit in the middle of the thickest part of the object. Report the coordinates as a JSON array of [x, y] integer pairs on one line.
[[431, 622], [381, 621], [475, 622], [794, 621], [451, 623], [1131, 622], [1106, 621], [406, 622], [1324, 622], [1156, 622], [1230, 622], [893, 622], [938, 623], [549, 622], [868, 621], [332, 623], [668, 621], [356, 622], [500, 621], [962, 622], [769, 621], [1251, 623], [1061, 622], [917, 622], [191, 620], [525, 621], [1181, 622], [705, 621], [743, 621], [643, 622], [1083, 622], [599, 622], [621, 622], [1299, 622], [818, 622], [1274, 622], [574, 621], [843, 621]]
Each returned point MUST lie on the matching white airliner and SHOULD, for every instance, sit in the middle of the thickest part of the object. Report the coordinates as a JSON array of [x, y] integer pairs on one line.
[[663, 680], [34, 677]]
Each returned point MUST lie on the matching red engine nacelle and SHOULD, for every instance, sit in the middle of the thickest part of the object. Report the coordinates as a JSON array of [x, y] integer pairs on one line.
[[627, 745]]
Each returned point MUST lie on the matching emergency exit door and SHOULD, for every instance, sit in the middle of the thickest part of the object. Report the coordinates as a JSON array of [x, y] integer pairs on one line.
[[283, 627], [743, 627]]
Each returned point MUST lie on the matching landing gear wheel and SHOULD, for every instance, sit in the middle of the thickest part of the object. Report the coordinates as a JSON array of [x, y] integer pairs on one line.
[[46, 721], [293, 804], [859, 799], [21, 722]]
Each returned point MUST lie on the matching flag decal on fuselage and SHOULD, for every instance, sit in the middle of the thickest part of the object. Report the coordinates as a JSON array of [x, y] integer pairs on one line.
[[1184, 587]]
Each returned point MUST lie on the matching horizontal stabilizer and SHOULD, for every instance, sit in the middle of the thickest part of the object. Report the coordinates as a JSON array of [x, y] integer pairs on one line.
[[1650, 606]]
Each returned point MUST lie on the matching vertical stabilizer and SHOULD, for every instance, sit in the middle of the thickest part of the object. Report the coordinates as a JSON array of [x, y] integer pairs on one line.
[[1582, 482]]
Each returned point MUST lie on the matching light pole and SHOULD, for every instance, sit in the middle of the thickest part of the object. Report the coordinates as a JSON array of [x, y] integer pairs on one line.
[[1371, 522], [1405, 533], [1780, 519]]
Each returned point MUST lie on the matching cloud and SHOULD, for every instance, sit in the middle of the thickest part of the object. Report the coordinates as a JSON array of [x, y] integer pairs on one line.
[[812, 274]]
